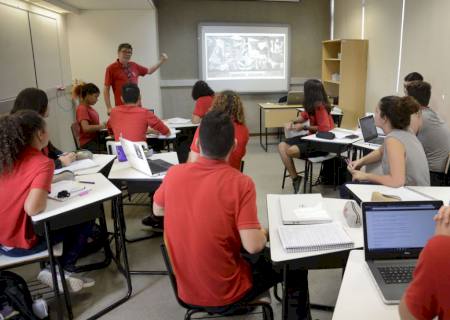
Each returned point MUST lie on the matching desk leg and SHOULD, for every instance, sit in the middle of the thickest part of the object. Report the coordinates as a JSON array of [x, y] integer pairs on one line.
[[53, 269], [260, 128], [284, 307]]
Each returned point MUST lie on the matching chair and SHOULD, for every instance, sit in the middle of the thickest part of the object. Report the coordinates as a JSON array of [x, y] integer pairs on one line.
[[76, 130], [12, 262], [263, 302]]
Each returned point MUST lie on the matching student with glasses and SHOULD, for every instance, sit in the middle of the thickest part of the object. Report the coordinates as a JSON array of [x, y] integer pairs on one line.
[[124, 71]]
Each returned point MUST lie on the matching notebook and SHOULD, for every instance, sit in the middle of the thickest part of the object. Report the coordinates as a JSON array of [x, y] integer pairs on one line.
[[78, 165], [303, 209], [72, 187], [326, 236]]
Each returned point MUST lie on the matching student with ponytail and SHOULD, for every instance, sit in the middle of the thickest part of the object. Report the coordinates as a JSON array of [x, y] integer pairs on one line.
[[402, 156], [87, 116]]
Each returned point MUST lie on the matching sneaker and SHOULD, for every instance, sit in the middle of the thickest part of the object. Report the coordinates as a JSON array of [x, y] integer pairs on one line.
[[74, 284], [296, 182], [87, 282], [157, 225]]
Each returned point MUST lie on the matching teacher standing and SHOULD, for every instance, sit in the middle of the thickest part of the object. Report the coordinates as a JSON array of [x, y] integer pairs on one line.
[[124, 71]]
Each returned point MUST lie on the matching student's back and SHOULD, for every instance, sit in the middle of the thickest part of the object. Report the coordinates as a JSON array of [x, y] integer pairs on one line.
[[207, 203]]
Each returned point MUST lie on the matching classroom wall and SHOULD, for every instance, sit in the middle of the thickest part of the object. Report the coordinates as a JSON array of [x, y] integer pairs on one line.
[[61, 111], [177, 24], [424, 45], [94, 36]]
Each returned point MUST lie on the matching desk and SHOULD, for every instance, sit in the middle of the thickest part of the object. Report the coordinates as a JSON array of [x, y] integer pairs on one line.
[[276, 115], [102, 160], [79, 209], [324, 259], [180, 125], [439, 193], [359, 297], [361, 144]]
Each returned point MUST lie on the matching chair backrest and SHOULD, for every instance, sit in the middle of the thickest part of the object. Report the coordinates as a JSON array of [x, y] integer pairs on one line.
[[447, 165], [111, 146], [76, 130]]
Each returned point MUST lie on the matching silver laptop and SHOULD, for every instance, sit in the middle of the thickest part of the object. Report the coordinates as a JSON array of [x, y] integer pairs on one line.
[[295, 97], [136, 157], [369, 130], [394, 235]]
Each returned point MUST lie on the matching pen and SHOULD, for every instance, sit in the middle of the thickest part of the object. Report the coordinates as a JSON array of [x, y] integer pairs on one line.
[[87, 182]]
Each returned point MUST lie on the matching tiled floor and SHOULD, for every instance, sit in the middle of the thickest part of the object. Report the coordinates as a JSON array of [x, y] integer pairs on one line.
[[153, 297]]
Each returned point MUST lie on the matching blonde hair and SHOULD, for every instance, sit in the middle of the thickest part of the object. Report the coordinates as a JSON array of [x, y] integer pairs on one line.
[[229, 102]]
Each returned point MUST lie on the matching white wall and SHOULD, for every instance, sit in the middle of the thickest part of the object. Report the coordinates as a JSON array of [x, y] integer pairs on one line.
[[94, 36]]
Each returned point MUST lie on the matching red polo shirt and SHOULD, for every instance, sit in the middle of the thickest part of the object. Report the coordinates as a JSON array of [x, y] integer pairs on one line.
[[241, 135], [206, 203], [428, 295], [117, 75], [133, 121], [32, 170], [91, 116], [202, 105], [320, 118]]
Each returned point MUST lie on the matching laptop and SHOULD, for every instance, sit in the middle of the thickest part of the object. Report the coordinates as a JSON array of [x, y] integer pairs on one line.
[[137, 159], [369, 130], [394, 235], [295, 97]]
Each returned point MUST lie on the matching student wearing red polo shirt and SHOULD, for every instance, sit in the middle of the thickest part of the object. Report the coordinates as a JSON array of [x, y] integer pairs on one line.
[[317, 111], [210, 216], [230, 103], [125, 71], [203, 96], [26, 173], [87, 116], [131, 121], [428, 295]]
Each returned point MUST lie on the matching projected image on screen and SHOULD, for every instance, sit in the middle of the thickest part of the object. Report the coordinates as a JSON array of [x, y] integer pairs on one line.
[[245, 56]]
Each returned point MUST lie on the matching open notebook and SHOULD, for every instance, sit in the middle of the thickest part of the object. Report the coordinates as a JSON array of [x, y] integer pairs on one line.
[[303, 209], [72, 188], [78, 165], [326, 236]]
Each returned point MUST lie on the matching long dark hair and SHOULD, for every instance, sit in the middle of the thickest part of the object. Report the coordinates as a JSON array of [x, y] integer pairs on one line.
[[315, 95], [31, 99], [82, 90], [16, 133], [201, 89]]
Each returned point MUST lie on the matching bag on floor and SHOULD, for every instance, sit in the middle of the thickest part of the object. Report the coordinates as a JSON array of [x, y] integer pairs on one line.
[[335, 168], [15, 298]]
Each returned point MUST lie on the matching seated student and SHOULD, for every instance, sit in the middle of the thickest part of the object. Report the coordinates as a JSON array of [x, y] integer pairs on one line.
[[210, 208], [203, 96], [317, 111], [230, 103], [36, 99], [87, 116], [428, 295], [131, 121], [27, 175], [433, 133], [402, 156]]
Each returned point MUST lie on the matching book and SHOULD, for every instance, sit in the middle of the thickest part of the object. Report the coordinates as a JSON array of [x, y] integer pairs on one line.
[[302, 238], [303, 209], [78, 165], [72, 188]]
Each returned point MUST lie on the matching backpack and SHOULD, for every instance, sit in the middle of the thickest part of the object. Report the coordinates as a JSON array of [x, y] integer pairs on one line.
[[335, 168], [14, 295]]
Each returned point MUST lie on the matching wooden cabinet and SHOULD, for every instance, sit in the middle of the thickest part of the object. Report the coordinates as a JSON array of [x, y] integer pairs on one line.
[[344, 70]]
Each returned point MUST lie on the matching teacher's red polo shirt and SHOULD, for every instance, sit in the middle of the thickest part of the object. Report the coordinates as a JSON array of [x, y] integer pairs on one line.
[[117, 75]]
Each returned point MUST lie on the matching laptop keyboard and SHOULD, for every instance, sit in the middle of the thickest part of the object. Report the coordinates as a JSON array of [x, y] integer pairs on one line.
[[378, 140], [396, 274]]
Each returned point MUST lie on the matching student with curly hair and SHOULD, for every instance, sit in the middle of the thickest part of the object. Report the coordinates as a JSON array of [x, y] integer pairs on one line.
[[402, 156], [230, 103], [203, 96], [27, 175], [37, 100]]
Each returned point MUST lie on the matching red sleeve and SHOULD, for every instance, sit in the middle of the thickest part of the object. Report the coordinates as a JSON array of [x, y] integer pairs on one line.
[[155, 123], [323, 119], [247, 215], [43, 179], [420, 296], [108, 77], [194, 144], [304, 115], [82, 113], [202, 106], [158, 197], [142, 71]]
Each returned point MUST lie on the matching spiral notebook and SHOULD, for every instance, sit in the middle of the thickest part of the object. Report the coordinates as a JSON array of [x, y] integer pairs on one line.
[[305, 238]]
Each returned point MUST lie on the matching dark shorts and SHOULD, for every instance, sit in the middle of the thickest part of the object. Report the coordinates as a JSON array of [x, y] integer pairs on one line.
[[306, 149]]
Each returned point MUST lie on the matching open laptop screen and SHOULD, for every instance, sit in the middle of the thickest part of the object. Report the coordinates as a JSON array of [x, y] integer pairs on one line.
[[368, 128], [398, 230]]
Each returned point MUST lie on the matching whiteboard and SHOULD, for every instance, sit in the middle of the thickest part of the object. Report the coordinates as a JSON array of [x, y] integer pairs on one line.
[[16, 55], [44, 31]]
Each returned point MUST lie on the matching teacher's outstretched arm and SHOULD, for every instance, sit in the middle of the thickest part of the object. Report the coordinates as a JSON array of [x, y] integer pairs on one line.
[[163, 58]]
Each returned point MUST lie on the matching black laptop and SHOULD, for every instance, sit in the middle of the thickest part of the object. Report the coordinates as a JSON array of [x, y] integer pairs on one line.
[[158, 166], [394, 235], [369, 130]]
